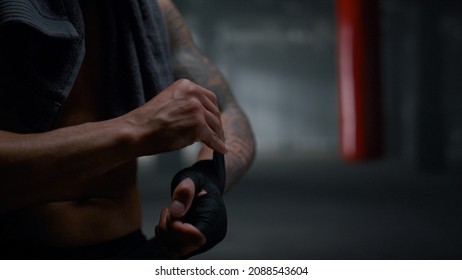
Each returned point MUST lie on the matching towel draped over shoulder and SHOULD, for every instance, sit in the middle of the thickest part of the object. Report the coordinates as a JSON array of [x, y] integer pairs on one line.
[[42, 45]]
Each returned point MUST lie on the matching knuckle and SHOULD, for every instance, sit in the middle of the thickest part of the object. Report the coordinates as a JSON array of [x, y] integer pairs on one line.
[[187, 85], [183, 82], [196, 106], [213, 97]]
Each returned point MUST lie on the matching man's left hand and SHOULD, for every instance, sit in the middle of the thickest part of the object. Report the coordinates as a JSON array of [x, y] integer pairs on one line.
[[177, 238]]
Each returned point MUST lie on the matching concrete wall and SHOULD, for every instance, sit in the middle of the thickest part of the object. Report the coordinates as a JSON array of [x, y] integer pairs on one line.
[[279, 57]]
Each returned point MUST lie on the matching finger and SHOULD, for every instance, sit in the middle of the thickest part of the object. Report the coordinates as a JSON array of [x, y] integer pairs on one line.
[[209, 101], [187, 87], [210, 112], [211, 97], [182, 198], [161, 230], [163, 221], [187, 234], [208, 104], [182, 239], [166, 244], [214, 142], [207, 126], [210, 137], [214, 123]]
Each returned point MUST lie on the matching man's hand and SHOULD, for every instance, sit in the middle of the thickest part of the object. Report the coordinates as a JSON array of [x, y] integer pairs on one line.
[[177, 117], [176, 237], [196, 220]]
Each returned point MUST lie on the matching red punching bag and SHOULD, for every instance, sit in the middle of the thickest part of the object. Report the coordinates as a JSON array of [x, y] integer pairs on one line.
[[359, 80]]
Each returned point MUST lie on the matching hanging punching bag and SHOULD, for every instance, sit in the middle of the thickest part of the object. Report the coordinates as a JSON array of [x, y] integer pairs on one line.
[[359, 80]]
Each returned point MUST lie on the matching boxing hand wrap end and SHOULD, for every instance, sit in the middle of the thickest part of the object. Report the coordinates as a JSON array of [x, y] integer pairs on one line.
[[207, 212]]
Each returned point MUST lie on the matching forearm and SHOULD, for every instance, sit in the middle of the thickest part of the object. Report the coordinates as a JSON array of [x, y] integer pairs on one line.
[[190, 63], [53, 166], [240, 142]]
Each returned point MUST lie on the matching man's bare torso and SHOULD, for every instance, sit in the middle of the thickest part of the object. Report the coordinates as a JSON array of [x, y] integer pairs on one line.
[[115, 211]]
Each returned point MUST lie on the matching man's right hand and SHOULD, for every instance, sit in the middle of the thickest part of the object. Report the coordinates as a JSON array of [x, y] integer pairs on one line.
[[177, 117]]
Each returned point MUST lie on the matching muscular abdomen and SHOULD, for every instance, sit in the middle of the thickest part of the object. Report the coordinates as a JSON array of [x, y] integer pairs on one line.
[[90, 220]]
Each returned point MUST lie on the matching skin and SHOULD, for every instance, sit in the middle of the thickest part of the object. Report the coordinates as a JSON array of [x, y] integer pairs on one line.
[[190, 63], [76, 185]]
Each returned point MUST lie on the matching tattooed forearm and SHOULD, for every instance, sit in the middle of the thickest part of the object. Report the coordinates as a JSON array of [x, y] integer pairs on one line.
[[240, 142], [189, 63]]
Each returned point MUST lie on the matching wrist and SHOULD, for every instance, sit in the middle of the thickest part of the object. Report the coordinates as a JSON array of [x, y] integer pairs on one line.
[[128, 137]]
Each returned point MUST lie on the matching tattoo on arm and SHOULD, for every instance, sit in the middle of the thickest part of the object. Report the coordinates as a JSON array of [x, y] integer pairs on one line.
[[241, 144], [190, 63]]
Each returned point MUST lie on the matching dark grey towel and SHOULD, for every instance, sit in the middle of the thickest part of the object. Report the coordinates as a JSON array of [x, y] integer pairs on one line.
[[137, 52], [42, 48]]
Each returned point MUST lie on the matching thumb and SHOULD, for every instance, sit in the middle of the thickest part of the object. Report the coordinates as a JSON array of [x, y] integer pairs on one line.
[[182, 198]]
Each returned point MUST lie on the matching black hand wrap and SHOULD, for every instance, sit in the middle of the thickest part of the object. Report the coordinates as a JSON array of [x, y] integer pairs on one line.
[[207, 212]]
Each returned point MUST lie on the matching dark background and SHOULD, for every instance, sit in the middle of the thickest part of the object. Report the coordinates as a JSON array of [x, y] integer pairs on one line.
[[300, 200]]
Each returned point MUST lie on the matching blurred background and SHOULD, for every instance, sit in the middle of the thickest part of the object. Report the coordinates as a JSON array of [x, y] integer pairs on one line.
[[300, 200]]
